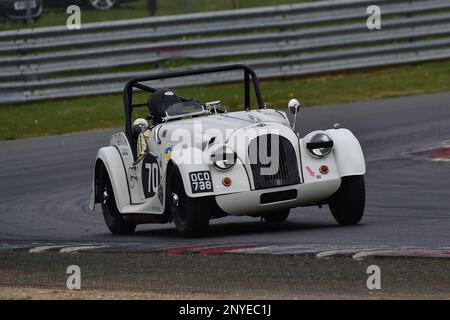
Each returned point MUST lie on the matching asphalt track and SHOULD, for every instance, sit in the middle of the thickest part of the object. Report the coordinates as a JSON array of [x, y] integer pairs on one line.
[[45, 182]]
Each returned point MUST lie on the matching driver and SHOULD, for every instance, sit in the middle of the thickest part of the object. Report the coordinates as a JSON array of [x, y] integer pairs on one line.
[[158, 103]]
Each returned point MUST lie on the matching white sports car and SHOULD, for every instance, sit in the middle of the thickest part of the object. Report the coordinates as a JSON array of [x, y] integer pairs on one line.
[[189, 162]]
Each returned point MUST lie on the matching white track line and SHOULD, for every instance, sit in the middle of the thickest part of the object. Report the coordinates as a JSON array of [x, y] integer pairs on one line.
[[330, 253], [253, 250], [344, 250], [79, 248], [286, 249], [364, 254], [45, 248]]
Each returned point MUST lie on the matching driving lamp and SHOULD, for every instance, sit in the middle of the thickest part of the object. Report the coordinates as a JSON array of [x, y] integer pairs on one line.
[[223, 157], [319, 144]]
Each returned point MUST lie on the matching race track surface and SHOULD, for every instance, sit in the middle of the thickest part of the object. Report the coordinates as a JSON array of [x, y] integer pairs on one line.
[[45, 182]]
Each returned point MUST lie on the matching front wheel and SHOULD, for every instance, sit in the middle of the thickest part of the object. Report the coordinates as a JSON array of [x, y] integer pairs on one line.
[[113, 218], [347, 204], [191, 215]]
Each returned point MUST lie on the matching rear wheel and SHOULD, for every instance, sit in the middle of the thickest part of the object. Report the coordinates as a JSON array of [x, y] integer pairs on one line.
[[113, 218], [191, 215], [276, 216], [347, 204]]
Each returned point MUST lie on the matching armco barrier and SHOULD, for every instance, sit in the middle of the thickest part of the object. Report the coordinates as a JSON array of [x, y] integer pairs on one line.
[[279, 41]]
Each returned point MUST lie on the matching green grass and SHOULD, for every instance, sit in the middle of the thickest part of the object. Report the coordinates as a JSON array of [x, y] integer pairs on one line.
[[106, 111], [138, 9]]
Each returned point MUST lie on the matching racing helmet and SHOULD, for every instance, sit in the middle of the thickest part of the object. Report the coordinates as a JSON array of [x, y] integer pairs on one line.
[[160, 101]]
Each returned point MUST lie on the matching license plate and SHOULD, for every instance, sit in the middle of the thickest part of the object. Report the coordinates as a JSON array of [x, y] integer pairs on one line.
[[201, 181], [22, 5]]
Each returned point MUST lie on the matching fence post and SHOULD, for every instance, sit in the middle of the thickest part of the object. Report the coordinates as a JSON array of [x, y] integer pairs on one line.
[[28, 12]]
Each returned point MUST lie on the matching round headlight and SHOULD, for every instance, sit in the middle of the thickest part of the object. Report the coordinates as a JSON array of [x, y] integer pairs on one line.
[[223, 157], [319, 139]]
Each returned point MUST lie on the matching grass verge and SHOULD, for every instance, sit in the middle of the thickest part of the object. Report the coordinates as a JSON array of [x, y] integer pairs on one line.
[[106, 111]]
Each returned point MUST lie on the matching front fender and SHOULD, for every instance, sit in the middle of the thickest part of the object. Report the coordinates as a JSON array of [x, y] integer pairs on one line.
[[110, 158], [347, 152], [189, 160]]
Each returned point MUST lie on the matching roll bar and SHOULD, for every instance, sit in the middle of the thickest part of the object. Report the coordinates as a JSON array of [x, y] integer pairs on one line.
[[136, 83]]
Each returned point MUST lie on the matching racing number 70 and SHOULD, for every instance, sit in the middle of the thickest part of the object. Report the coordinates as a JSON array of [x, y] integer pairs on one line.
[[153, 176]]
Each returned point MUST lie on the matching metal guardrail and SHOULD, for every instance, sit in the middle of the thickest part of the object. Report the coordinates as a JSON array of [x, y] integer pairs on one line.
[[280, 18], [279, 41]]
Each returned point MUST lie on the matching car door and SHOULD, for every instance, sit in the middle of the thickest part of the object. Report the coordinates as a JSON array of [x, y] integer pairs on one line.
[[148, 172]]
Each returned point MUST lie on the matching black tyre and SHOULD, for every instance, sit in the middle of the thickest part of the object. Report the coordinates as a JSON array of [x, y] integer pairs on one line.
[[276, 216], [191, 215], [113, 218], [347, 204], [102, 4]]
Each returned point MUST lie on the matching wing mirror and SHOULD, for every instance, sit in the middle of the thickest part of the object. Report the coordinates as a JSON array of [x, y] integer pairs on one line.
[[140, 125], [294, 106]]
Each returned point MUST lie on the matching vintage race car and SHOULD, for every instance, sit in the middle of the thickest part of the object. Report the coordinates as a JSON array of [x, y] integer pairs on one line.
[[189, 162]]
